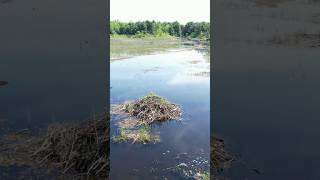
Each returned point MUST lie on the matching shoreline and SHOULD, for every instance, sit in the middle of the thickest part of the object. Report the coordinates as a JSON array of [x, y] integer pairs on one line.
[[148, 46]]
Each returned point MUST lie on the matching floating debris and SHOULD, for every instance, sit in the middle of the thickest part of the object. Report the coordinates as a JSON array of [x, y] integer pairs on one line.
[[269, 3], [194, 61], [220, 159], [203, 74], [257, 171], [6, 1], [151, 69], [196, 169], [3, 118], [2, 83], [305, 40]]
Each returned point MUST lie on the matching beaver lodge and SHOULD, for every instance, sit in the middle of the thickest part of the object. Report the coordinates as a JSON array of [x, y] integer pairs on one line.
[[140, 114], [151, 108]]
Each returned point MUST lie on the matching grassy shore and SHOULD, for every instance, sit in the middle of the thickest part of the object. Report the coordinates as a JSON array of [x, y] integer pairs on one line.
[[125, 46]]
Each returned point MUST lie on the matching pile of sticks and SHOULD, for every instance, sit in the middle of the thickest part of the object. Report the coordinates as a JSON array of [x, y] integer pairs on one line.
[[152, 108]]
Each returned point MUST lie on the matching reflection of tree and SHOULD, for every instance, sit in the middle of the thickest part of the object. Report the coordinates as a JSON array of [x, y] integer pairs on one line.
[[205, 51], [200, 46]]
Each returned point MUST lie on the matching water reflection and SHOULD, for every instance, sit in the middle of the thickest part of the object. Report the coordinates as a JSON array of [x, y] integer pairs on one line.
[[181, 76], [45, 76], [267, 94]]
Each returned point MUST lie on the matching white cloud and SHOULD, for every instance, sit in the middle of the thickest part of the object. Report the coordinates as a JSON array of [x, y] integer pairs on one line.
[[182, 11]]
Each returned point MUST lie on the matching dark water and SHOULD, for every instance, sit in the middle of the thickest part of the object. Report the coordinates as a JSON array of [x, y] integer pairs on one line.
[[55, 66], [175, 76], [266, 96], [53, 56]]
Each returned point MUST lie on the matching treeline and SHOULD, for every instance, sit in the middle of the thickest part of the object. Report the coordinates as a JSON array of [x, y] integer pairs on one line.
[[142, 28]]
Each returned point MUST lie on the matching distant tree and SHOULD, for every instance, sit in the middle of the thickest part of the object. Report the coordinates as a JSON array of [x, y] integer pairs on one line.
[[141, 28]]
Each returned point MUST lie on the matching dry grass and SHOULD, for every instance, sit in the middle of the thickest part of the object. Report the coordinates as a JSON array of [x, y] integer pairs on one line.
[[220, 159], [78, 149]]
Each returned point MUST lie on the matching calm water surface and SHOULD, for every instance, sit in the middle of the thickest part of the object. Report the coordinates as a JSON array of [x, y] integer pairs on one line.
[[266, 96], [53, 56], [56, 70], [181, 77]]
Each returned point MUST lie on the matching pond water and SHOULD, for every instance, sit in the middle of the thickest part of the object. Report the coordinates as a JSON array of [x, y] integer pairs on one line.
[[182, 77], [53, 69], [267, 94], [268, 113]]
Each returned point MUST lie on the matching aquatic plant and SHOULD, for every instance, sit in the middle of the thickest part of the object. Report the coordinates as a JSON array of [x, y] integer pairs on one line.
[[141, 135], [202, 176], [192, 169]]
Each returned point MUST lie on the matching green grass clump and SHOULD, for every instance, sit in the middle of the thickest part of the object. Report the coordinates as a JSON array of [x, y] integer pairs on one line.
[[141, 135], [203, 176], [122, 136]]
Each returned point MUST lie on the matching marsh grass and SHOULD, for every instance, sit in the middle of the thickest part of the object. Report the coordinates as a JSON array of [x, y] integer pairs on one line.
[[202, 176], [141, 135], [81, 148], [80, 151], [124, 46]]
